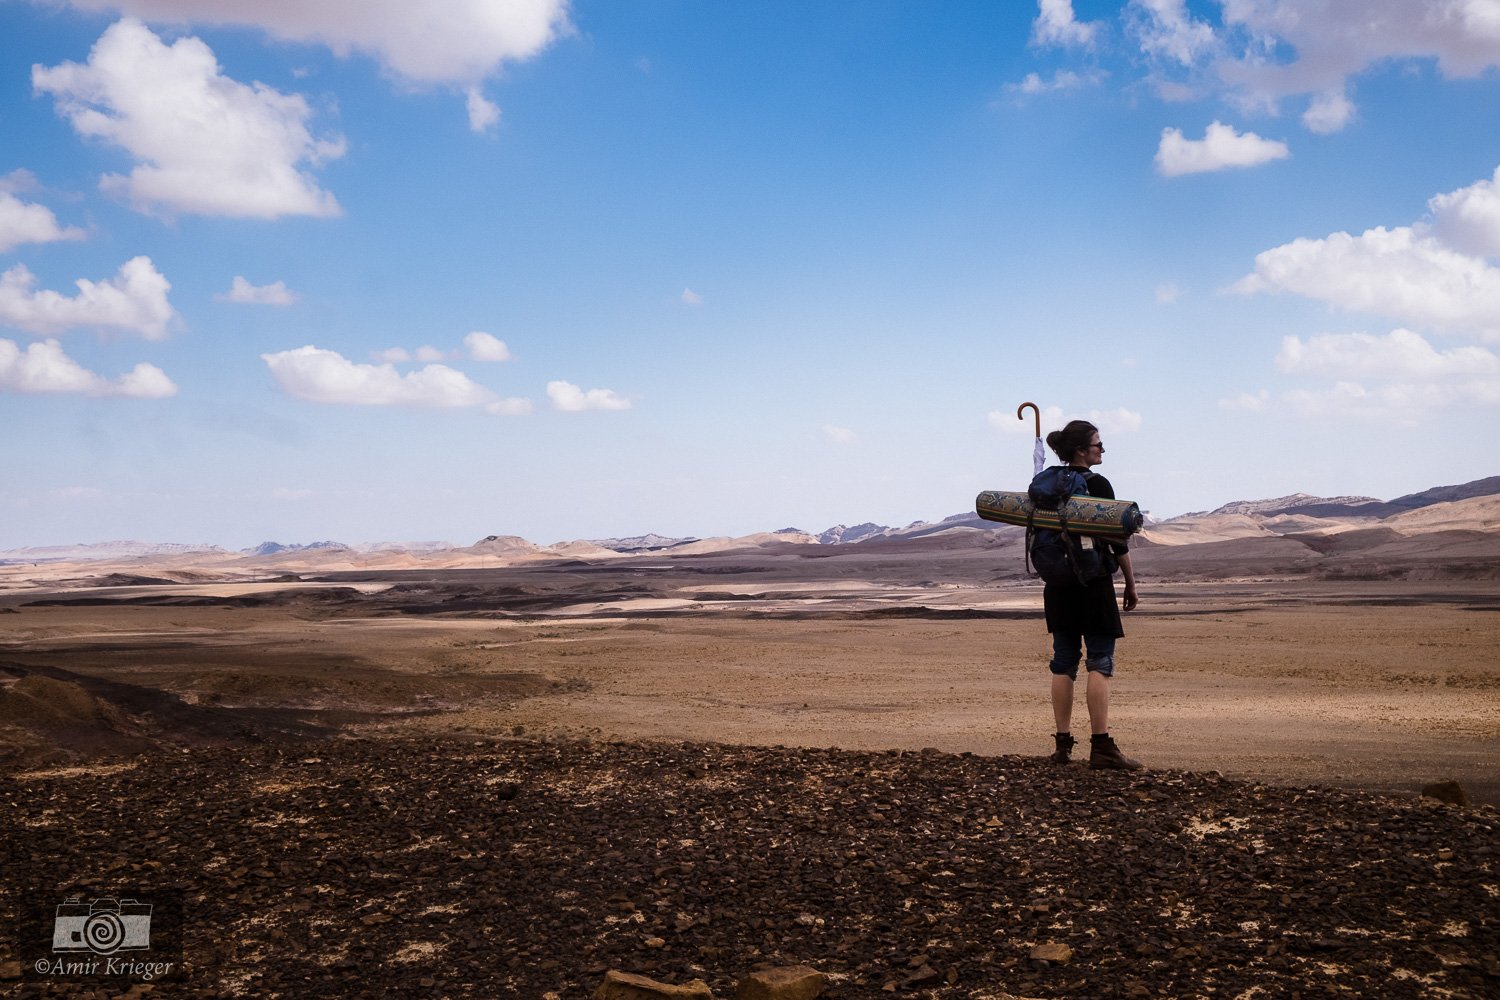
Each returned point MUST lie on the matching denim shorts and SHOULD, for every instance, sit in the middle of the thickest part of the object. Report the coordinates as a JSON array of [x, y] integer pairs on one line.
[[1067, 650]]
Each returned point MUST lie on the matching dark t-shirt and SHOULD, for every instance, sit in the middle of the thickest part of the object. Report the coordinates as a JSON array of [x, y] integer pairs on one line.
[[1091, 608]]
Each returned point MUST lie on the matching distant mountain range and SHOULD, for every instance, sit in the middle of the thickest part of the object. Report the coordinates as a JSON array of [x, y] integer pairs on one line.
[[1310, 506], [1299, 505], [641, 543], [273, 548]]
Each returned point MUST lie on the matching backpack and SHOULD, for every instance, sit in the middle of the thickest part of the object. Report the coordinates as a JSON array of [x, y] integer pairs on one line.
[[1059, 555]]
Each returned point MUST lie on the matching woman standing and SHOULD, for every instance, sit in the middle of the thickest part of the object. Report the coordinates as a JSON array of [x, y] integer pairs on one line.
[[1086, 616]]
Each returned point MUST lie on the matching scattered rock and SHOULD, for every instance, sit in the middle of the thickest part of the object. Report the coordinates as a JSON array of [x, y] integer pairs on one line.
[[924, 975], [1446, 791], [628, 986], [787, 856], [1451, 955], [1053, 952], [796, 982]]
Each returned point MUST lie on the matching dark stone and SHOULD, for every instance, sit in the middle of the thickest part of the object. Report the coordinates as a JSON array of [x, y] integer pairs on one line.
[[1450, 792]]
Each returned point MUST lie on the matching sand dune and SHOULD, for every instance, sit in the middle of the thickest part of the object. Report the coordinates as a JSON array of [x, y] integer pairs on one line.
[[709, 546], [1475, 514], [1204, 528]]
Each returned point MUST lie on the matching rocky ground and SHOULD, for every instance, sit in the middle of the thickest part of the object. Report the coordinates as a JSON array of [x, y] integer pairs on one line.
[[447, 867]]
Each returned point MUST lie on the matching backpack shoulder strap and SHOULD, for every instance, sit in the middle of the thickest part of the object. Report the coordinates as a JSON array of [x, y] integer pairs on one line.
[[1026, 547]]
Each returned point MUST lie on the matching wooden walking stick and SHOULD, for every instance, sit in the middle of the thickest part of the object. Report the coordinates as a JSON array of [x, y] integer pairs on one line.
[[1021, 410], [1038, 455]]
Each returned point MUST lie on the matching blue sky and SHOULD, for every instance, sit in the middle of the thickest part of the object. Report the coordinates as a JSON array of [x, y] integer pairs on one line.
[[384, 271]]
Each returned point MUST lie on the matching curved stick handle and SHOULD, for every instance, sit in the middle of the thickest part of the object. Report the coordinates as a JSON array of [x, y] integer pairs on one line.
[[1022, 409]]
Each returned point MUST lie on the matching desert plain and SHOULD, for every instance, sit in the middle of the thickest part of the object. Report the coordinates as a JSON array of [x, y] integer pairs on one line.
[[1280, 693], [1384, 685]]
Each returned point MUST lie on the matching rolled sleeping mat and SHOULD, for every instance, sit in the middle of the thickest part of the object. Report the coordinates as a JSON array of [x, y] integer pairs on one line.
[[1086, 515]]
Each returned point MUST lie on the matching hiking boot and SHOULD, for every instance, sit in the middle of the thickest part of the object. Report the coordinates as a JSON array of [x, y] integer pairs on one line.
[[1064, 751], [1104, 754]]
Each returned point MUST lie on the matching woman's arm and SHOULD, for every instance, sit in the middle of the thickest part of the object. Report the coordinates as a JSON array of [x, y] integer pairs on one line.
[[1131, 600]]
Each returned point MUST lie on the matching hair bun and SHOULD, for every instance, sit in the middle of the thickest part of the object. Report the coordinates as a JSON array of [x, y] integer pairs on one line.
[[1071, 439]]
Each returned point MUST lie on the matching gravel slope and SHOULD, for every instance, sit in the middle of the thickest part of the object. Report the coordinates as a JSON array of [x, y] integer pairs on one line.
[[454, 868]]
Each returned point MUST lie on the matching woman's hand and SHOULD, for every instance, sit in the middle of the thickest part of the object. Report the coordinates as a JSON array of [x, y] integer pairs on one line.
[[1131, 600]]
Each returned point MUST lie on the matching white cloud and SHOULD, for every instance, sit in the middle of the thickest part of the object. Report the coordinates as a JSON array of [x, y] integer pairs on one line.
[[145, 382], [1220, 148], [1247, 401], [43, 367], [1175, 93], [569, 397], [436, 41], [1259, 53], [323, 376], [399, 355], [1167, 293], [1335, 40], [691, 297], [1346, 398], [1116, 421], [274, 294], [19, 181], [1329, 112], [1007, 423], [205, 144], [1056, 25], [1399, 403], [486, 347], [134, 300], [1403, 273], [509, 407], [26, 222], [1062, 80], [1468, 220], [1400, 354], [1398, 378], [1426, 274], [1167, 30], [838, 435], [483, 114]]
